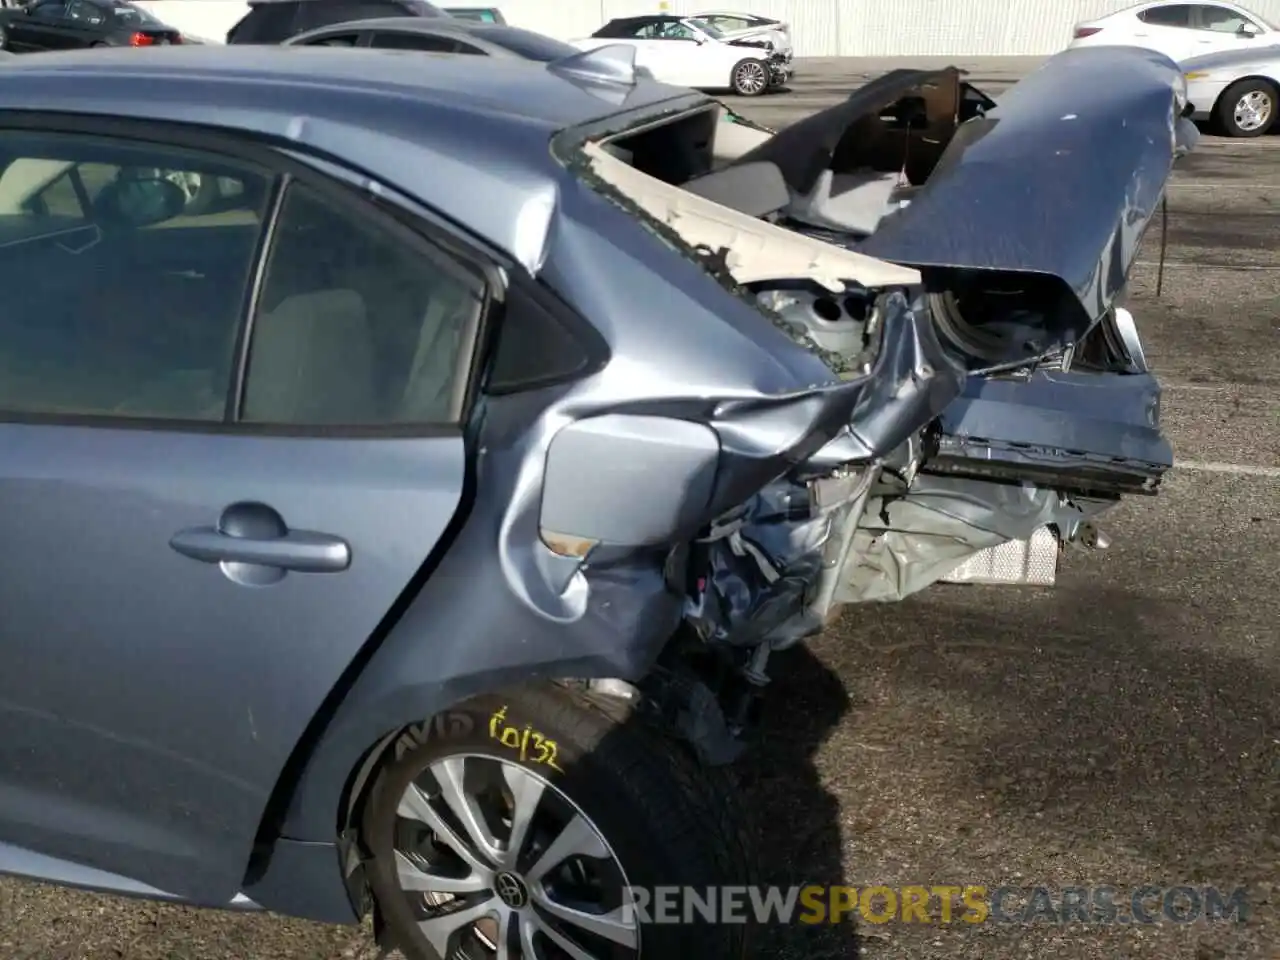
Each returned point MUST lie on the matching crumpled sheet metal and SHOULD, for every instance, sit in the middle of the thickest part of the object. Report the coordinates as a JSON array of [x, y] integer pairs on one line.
[[906, 543], [1061, 178], [759, 570], [764, 565]]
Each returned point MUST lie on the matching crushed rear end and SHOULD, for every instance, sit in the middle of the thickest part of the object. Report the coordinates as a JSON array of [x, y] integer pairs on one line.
[[958, 267]]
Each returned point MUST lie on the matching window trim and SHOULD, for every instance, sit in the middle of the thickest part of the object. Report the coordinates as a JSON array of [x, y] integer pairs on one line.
[[427, 235]]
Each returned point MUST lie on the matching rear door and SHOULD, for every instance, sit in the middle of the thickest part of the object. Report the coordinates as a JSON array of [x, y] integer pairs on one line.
[[204, 520]]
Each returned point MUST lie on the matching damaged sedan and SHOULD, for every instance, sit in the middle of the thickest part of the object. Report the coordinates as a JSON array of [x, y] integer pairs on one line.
[[407, 527]]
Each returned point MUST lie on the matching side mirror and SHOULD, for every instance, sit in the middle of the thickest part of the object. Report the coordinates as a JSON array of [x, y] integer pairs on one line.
[[1247, 31], [139, 202]]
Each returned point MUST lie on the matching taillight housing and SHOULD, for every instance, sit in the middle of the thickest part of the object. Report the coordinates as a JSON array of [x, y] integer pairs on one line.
[[141, 40], [1082, 32]]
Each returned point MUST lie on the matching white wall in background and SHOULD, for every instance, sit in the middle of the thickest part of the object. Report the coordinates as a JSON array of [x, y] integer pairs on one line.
[[819, 28], [207, 20]]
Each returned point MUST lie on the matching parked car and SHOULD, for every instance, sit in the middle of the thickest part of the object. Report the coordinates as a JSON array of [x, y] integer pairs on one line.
[[438, 35], [1235, 90], [274, 21], [1178, 30], [680, 50], [71, 24], [738, 26], [483, 14], [393, 582]]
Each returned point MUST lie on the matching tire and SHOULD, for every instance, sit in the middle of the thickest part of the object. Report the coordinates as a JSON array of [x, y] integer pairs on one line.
[[1247, 108], [750, 78], [651, 816]]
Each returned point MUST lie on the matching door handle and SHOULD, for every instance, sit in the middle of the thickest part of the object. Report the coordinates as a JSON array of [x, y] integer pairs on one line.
[[297, 550]]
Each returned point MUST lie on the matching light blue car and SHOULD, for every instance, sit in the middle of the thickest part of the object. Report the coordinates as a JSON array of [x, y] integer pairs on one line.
[[409, 464]]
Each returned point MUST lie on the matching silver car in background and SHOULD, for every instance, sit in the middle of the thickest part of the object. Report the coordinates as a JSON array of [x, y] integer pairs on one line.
[[1237, 91]]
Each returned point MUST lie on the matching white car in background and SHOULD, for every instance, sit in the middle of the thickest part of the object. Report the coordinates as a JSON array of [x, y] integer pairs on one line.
[[1238, 91], [690, 53], [1178, 30], [734, 25]]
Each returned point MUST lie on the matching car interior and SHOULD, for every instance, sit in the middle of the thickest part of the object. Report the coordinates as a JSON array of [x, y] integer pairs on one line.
[[104, 316], [844, 168]]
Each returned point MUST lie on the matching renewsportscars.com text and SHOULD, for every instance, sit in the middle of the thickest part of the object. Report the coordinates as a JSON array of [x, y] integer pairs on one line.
[[936, 904]]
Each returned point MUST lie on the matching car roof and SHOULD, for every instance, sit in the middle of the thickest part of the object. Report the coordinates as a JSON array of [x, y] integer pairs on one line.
[[487, 35], [467, 135], [435, 25], [649, 18], [108, 80]]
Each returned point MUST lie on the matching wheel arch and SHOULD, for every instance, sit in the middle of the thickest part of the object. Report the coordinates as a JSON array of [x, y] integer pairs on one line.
[[438, 655], [1272, 82]]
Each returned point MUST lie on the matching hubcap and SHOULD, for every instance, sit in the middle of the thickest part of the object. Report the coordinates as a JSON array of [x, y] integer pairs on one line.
[[497, 862], [751, 77], [1253, 110]]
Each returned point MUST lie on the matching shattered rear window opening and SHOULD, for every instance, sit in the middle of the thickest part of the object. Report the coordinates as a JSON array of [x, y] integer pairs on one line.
[[583, 156]]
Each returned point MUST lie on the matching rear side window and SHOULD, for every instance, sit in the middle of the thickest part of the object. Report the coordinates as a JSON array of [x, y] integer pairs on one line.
[[358, 324], [1174, 15], [414, 41], [336, 40], [534, 348], [114, 307]]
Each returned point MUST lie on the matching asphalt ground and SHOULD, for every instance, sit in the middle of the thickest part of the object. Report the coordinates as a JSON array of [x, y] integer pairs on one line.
[[1121, 728]]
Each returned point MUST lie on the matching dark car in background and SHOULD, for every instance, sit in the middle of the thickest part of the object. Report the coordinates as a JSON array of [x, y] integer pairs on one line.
[[481, 14], [444, 35], [274, 21], [71, 24]]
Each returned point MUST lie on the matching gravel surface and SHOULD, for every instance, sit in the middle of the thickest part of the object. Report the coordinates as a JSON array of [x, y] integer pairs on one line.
[[1121, 728]]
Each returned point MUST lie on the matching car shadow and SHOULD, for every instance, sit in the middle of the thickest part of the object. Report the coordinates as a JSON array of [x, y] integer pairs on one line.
[[793, 817]]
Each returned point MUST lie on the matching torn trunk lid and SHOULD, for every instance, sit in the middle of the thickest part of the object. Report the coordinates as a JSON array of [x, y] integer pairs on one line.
[[1060, 180]]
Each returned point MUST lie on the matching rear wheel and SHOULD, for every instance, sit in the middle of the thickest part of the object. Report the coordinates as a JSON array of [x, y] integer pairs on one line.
[[520, 833], [750, 78], [1247, 108]]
